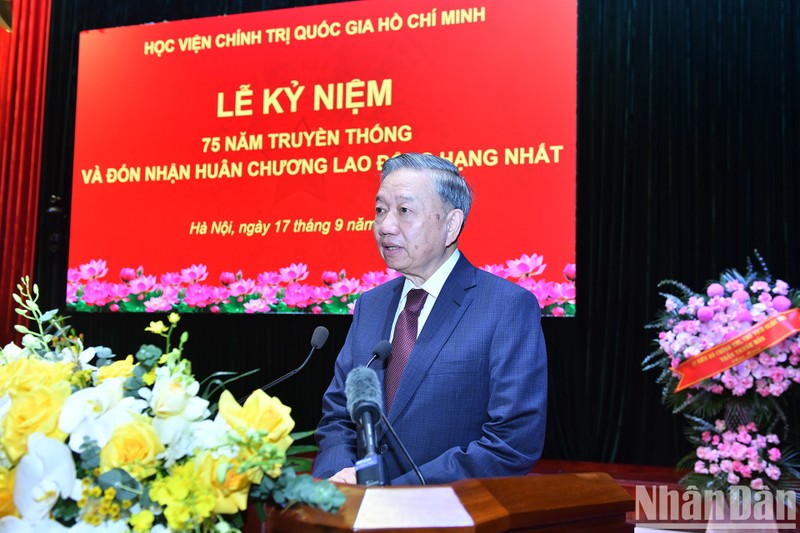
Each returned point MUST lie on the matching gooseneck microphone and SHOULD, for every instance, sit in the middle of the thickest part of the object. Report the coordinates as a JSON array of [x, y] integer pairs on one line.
[[318, 339], [380, 352], [364, 400]]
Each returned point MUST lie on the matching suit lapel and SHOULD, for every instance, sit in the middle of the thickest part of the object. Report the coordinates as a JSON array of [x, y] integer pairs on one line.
[[450, 306]]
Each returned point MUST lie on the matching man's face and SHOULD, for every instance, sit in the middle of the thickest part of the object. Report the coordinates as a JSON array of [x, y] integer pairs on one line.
[[412, 227]]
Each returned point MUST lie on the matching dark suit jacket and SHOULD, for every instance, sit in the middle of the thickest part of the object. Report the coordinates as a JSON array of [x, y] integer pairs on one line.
[[472, 399]]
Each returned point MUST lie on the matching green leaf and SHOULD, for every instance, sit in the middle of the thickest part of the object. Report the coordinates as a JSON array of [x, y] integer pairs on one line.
[[125, 485]]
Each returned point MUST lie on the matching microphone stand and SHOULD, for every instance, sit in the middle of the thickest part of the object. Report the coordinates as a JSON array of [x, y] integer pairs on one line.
[[285, 376], [403, 449]]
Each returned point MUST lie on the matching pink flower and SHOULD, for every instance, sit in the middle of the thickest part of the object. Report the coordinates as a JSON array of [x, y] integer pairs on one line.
[[94, 269], [781, 287], [704, 314], [781, 303], [269, 278], [372, 279], [540, 289], [73, 275], [329, 276], [557, 311], [226, 278], [569, 271], [715, 289], [562, 292], [322, 294], [346, 287], [294, 273], [759, 286], [118, 291], [526, 266], [142, 284], [773, 472], [257, 306], [159, 303], [773, 453], [72, 293], [498, 270], [194, 274], [171, 278], [741, 296], [96, 293], [757, 484], [127, 274], [242, 287], [297, 295], [270, 295], [197, 295]]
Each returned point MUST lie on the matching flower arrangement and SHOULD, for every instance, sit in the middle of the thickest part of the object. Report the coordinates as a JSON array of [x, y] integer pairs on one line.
[[727, 358], [133, 444], [286, 290]]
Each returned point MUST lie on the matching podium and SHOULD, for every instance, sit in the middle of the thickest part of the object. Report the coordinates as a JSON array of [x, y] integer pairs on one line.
[[552, 502]]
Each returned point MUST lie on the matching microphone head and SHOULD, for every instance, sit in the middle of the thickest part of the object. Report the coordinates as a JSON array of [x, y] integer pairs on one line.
[[382, 350], [319, 337], [363, 391]]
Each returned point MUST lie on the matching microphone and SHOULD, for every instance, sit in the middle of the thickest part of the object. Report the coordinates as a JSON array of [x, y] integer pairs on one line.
[[318, 339], [381, 352], [364, 399]]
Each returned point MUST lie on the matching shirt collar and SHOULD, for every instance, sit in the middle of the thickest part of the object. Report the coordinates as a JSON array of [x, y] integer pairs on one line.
[[433, 285]]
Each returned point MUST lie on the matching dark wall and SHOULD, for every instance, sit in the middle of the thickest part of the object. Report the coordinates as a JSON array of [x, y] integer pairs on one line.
[[688, 160]]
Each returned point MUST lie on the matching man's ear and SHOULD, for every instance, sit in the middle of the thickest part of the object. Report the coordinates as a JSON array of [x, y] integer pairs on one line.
[[454, 221]]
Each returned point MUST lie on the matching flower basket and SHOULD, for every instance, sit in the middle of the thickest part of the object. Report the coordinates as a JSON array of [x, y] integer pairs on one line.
[[728, 359], [91, 441]]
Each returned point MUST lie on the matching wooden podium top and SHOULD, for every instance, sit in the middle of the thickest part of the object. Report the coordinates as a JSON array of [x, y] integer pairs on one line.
[[557, 502]]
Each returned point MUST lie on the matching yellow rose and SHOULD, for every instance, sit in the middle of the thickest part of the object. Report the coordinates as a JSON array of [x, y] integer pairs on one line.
[[230, 493], [118, 369], [260, 412], [32, 412], [132, 447], [7, 507], [22, 375]]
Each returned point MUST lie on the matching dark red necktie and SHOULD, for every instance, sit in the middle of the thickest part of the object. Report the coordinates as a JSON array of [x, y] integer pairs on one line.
[[405, 336]]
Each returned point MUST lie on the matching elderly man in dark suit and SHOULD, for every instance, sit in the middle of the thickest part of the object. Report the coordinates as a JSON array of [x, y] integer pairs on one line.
[[469, 400]]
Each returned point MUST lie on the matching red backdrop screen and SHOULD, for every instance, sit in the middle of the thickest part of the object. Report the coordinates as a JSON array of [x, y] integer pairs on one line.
[[230, 164]]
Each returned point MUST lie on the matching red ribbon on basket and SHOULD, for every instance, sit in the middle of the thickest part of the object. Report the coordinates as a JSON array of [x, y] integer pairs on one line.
[[751, 342]]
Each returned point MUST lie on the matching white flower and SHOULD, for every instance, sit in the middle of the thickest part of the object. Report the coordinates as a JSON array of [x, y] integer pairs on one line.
[[5, 405], [94, 413], [44, 474], [81, 358], [12, 524], [174, 403], [12, 352], [203, 435]]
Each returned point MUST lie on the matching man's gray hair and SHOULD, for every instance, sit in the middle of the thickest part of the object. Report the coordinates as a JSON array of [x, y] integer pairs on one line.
[[450, 185]]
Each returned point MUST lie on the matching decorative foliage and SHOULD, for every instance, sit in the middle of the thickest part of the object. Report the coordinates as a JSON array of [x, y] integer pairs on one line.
[[89, 441], [727, 357], [287, 290]]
